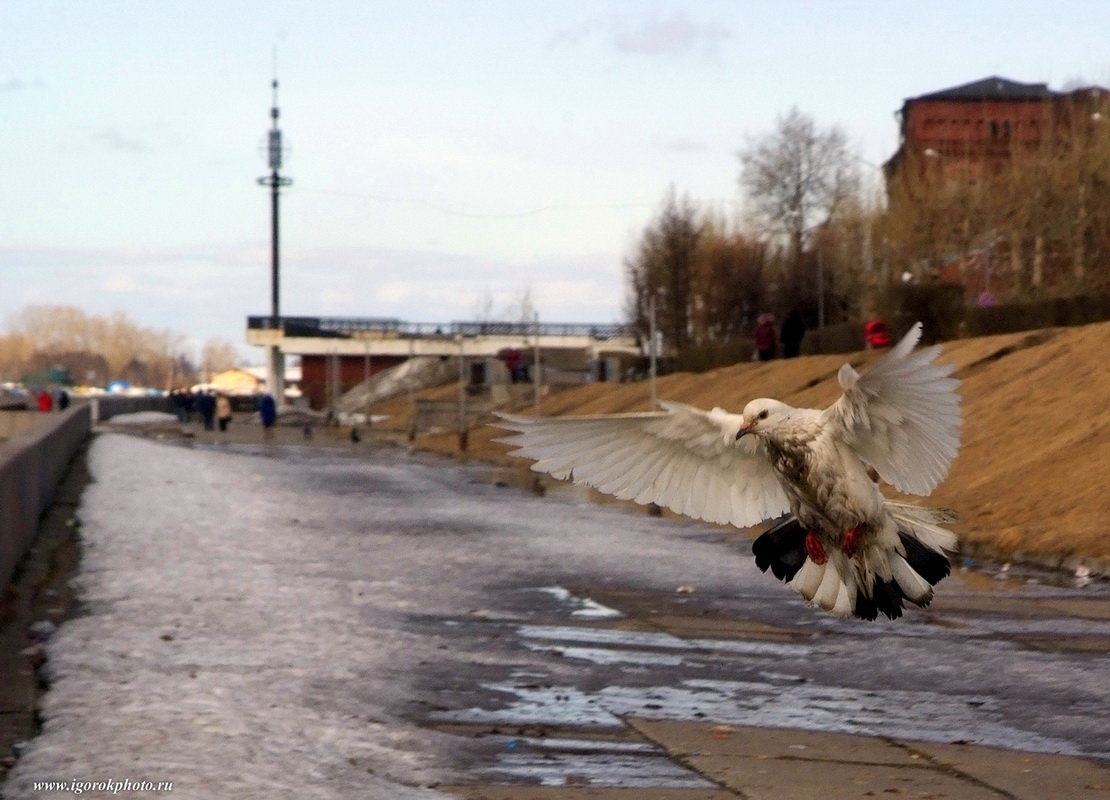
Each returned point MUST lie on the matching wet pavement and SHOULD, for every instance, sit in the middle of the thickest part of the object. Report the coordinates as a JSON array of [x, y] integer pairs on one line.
[[520, 646]]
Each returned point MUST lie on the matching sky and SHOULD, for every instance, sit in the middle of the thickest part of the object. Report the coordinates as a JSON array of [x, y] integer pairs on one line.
[[447, 157]]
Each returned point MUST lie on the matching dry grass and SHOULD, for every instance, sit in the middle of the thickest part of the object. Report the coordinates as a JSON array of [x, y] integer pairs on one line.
[[1033, 476]]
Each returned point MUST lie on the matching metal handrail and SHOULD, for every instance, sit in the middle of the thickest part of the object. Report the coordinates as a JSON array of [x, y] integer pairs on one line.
[[344, 326]]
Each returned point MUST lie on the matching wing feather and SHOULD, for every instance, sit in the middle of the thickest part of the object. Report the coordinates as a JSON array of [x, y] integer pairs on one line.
[[682, 458], [902, 416]]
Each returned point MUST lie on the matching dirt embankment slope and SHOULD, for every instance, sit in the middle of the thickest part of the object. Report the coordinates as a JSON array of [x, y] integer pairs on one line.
[[1032, 479]]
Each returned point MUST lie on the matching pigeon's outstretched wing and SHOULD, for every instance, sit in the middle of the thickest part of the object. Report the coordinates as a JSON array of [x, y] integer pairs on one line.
[[683, 458], [902, 416]]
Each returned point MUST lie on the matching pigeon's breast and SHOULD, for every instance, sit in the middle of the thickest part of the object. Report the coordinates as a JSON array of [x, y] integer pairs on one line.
[[792, 459], [822, 482]]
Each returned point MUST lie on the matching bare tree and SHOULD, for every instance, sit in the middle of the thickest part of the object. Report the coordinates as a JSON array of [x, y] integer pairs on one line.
[[729, 287], [96, 347], [796, 178], [663, 271], [218, 355], [522, 308], [483, 307]]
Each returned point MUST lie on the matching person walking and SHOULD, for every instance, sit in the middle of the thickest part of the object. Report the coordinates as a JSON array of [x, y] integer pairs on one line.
[[267, 411], [793, 330], [765, 338], [223, 412], [45, 400], [177, 399], [206, 406]]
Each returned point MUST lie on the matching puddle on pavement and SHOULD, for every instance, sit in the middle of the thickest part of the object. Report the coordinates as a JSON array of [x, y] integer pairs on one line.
[[658, 641], [566, 761], [581, 607], [622, 659], [776, 703], [608, 674]]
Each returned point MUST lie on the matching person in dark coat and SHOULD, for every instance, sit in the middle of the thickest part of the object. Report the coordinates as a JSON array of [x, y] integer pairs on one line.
[[177, 398], [765, 338], [206, 407], [793, 330], [267, 410], [190, 405]]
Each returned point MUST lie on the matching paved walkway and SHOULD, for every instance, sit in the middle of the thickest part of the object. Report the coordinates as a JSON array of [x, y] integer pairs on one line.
[[769, 764], [312, 627]]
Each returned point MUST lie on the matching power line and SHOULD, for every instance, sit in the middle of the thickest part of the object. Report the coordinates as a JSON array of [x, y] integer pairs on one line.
[[454, 212]]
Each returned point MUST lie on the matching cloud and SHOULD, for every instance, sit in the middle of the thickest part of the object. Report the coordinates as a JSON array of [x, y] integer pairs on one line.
[[116, 141], [21, 85], [576, 34], [676, 34], [683, 145]]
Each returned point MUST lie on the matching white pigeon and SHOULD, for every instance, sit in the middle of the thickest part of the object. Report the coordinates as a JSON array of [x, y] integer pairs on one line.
[[844, 547]]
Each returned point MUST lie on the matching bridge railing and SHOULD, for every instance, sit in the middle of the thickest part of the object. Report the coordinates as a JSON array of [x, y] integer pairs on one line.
[[347, 326]]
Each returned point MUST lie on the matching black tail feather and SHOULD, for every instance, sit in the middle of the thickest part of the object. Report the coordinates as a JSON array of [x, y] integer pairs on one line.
[[926, 562], [782, 548], [887, 597], [865, 606]]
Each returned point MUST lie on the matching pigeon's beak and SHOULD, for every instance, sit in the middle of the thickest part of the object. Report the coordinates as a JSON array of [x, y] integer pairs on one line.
[[745, 429]]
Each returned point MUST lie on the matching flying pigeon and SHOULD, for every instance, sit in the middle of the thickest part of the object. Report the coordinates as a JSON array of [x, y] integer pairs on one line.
[[842, 545]]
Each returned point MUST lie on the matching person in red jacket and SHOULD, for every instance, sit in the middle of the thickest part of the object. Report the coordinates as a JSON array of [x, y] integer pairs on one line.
[[765, 338], [876, 335], [46, 401]]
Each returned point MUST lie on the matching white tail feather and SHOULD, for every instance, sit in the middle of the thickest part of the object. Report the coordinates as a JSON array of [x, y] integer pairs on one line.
[[808, 579], [916, 588], [924, 524], [845, 601], [830, 586]]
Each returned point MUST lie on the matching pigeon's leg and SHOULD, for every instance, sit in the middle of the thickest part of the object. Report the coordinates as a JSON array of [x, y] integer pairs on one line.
[[851, 541], [814, 549]]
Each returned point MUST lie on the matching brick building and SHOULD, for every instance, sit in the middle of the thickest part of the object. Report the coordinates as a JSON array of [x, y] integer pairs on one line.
[[966, 172], [967, 130]]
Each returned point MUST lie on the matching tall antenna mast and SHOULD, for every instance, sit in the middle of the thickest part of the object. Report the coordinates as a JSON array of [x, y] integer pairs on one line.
[[275, 181]]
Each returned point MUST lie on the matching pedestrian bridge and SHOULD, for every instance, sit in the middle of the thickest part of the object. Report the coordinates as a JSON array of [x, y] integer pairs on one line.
[[372, 336]]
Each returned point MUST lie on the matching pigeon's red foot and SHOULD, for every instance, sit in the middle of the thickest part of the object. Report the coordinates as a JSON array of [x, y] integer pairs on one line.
[[814, 549], [850, 542]]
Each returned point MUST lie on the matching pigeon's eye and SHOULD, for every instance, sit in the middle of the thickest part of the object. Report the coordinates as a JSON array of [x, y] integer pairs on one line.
[[762, 414]]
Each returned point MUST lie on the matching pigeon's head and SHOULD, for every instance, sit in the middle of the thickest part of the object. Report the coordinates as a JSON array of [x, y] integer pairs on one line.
[[763, 416]]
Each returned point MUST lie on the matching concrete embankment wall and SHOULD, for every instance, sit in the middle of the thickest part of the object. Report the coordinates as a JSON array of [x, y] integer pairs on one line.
[[104, 408], [35, 451], [32, 464], [14, 423]]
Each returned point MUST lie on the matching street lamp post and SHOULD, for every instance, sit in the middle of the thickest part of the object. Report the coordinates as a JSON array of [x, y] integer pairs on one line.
[[275, 359]]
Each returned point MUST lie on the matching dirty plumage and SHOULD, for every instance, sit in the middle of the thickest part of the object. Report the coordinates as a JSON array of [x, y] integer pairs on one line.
[[844, 547]]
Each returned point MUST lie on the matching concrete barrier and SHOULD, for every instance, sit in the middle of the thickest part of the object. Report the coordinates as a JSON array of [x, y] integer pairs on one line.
[[105, 407], [31, 467], [16, 422]]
